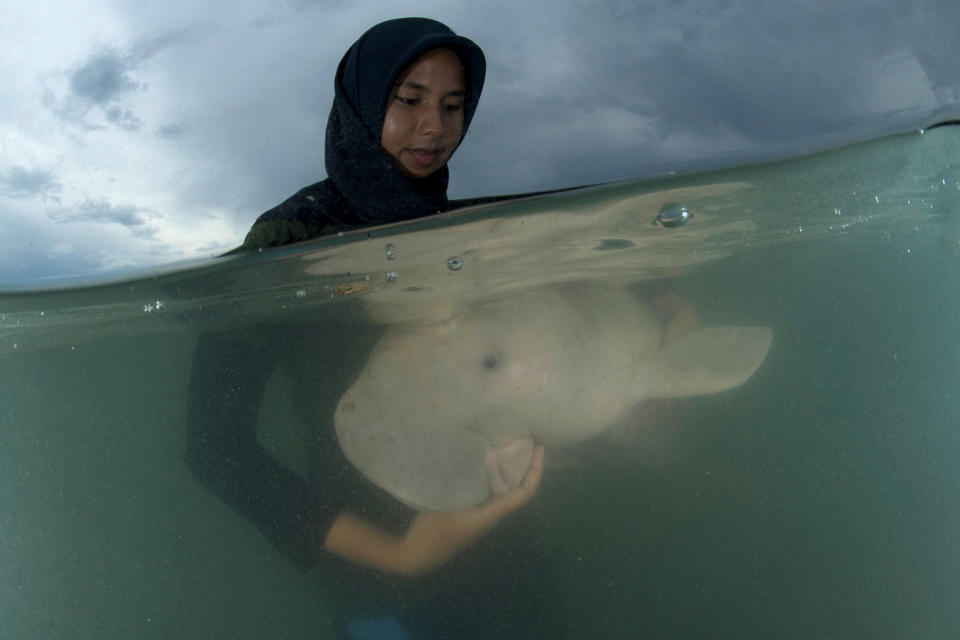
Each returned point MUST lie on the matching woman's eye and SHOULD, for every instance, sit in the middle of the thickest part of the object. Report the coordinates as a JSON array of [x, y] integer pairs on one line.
[[452, 107], [410, 102]]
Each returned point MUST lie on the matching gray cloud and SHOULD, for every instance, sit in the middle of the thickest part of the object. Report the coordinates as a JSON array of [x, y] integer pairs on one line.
[[214, 248], [123, 118], [621, 90], [173, 130], [146, 48], [101, 210], [102, 82], [19, 182], [35, 252], [103, 78]]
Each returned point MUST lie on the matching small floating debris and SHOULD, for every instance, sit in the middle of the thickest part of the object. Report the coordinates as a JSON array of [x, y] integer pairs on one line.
[[673, 215], [613, 245], [390, 251], [352, 287], [391, 276], [455, 263]]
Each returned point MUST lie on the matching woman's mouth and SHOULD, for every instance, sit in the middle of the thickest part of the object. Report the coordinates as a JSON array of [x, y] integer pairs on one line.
[[424, 157]]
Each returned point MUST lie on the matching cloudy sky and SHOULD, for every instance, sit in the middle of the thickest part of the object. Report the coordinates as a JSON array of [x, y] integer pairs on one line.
[[142, 133]]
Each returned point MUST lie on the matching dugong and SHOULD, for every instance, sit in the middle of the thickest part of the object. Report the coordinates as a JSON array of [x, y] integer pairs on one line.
[[447, 414]]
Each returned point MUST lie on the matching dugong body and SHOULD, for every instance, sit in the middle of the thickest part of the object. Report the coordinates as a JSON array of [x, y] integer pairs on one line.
[[445, 415]]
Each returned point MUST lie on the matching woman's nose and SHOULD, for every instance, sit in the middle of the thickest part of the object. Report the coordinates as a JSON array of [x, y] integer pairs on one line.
[[431, 121]]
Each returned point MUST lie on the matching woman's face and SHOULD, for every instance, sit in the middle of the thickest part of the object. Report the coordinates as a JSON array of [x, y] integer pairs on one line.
[[424, 120]]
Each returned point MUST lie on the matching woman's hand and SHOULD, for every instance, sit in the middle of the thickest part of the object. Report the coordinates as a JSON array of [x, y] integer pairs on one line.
[[434, 536]]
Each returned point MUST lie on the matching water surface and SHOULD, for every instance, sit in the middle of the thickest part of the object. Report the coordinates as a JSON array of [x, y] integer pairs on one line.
[[818, 500]]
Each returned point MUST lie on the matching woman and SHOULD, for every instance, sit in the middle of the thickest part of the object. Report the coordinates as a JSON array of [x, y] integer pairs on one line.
[[405, 93], [380, 170]]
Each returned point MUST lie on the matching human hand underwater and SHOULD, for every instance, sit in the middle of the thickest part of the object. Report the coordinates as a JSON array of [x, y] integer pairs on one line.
[[508, 465], [436, 536]]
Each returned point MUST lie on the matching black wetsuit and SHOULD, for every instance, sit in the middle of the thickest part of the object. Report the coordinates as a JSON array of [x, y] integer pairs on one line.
[[231, 367]]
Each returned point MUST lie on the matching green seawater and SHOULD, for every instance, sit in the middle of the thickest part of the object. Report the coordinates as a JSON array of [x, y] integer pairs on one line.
[[821, 499]]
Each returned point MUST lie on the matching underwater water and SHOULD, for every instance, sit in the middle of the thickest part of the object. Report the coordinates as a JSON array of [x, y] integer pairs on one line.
[[819, 499]]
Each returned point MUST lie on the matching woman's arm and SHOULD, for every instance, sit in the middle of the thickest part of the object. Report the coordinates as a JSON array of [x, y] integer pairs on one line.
[[222, 450], [433, 537]]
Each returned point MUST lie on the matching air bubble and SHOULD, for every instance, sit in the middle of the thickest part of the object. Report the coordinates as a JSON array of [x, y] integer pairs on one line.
[[391, 276], [455, 263], [390, 251], [673, 215]]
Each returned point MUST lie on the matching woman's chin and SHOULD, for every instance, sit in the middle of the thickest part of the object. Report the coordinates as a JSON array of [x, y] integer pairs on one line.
[[416, 171]]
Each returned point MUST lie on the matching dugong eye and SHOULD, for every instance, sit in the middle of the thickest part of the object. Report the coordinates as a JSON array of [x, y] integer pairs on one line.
[[491, 362]]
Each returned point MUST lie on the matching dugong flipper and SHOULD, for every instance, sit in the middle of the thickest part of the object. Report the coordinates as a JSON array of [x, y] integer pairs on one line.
[[445, 415], [703, 361]]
